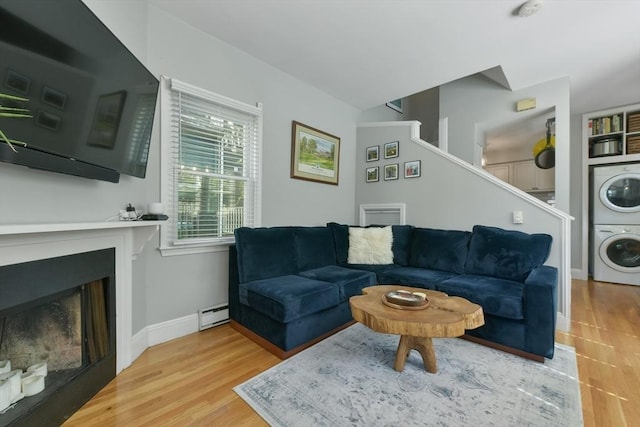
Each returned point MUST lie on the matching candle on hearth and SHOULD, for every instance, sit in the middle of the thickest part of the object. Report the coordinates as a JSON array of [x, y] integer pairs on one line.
[[5, 394], [32, 384], [14, 378], [38, 369]]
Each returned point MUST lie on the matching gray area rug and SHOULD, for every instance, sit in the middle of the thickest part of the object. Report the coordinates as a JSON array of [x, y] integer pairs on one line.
[[348, 380]]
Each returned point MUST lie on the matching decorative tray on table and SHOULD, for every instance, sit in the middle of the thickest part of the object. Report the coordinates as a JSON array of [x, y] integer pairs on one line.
[[405, 300]]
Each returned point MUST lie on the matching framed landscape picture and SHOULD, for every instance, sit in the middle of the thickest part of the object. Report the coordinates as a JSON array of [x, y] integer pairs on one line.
[[315, 154], [391, 150], [412, 169], [391, 172], [372, 174], [373, 153]]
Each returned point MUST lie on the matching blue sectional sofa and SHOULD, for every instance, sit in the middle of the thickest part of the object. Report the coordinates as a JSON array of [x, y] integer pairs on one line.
[[290, 286]]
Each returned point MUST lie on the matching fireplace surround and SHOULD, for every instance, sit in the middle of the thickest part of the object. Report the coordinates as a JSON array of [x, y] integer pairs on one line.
[[35, 288], [22, 243]]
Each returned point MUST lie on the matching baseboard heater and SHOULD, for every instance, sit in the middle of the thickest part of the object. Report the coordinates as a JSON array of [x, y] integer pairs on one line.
[[213, 316]]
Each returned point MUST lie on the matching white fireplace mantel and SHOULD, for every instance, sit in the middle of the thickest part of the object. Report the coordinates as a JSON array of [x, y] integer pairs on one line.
[[30, 242], [144, 230]]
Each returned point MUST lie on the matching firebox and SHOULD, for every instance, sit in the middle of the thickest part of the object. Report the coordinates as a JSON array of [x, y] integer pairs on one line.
[[59, 312]]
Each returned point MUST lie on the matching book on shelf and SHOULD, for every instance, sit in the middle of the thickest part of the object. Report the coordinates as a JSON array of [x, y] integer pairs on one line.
[[606, 124]]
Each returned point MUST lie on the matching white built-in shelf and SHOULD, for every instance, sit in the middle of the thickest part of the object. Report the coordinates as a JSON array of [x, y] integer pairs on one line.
[[621, 124]]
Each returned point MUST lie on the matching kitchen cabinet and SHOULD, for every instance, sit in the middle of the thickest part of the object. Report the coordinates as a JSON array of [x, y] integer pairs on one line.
[[501, 171], [524, 175], [528, 177]]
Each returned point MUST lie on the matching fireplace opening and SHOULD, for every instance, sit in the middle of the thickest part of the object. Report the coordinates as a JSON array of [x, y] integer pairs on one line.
[[57, 313]]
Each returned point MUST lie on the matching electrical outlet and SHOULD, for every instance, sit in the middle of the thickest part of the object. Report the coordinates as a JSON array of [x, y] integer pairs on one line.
[[518, 217]]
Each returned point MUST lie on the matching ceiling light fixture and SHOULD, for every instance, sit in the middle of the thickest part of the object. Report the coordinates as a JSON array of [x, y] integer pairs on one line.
[[529, 8]]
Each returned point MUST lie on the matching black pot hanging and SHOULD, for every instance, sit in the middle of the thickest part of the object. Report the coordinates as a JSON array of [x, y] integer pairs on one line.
[[546, 158]]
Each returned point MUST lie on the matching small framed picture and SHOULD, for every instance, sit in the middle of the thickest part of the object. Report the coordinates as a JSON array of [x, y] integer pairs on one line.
[[391, 172], [412, 169], [48, 121], [391, 150], [53, 98], [17, 82], [373, 153], [372, 174]]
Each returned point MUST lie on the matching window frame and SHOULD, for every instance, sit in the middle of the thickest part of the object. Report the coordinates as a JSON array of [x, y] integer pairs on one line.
[[168, 88]]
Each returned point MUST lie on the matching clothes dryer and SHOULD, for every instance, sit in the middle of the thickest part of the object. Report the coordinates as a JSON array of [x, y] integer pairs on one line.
[[617, 254], [616, 194]]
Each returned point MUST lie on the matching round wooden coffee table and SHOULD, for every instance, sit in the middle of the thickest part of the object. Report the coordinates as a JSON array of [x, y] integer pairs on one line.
[[444, 317]]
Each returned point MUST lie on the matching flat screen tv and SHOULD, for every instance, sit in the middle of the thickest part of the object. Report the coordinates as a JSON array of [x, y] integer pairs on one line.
[[91, 100]]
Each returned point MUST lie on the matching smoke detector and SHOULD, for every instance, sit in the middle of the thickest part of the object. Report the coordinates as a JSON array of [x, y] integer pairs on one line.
[[529, 8]]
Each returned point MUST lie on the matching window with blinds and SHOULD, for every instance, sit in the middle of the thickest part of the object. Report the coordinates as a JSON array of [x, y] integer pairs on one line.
[[213, 156]]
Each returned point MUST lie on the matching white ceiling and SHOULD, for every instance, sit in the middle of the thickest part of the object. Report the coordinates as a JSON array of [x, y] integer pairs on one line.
[[367, 52]]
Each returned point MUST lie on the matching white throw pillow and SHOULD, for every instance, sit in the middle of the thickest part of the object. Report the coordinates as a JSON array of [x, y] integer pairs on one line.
[[370, 245]]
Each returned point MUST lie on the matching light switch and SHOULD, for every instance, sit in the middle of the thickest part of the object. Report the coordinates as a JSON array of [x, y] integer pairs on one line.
[[518, 217]]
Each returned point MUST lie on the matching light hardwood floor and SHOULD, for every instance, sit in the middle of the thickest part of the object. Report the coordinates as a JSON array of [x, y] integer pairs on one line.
[[189, 381]]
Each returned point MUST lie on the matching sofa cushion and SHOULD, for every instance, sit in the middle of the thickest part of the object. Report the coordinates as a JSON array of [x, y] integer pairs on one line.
[[340, 240], [374, 268], [412, 276], [497, 297], [370, 245], [349, 282], [314, 247], [506, 254], [400, 246], [444, 250], [290, 297], [265, 252], [402, 235]]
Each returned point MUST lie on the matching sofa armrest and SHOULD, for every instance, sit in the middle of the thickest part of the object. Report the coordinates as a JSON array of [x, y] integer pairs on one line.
[[540, 309]]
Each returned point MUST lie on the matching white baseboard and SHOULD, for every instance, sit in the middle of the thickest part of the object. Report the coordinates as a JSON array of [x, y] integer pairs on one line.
[[163, 332], [562, 323], [578, 273]]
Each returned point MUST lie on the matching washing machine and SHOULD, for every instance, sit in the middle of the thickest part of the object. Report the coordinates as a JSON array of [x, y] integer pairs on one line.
[[616, 256], [616, 194]]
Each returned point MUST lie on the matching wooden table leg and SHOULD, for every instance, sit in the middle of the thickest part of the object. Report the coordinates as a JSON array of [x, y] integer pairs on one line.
[[422, 345], [402, 353]]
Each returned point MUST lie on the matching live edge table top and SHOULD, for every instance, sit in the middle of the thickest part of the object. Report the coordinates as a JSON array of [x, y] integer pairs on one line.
[[444, 317]]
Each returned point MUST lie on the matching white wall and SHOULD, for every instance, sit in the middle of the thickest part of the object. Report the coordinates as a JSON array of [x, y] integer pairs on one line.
[[191, 56], [167, 288], [445, 195], [381, 113], [476, 104]]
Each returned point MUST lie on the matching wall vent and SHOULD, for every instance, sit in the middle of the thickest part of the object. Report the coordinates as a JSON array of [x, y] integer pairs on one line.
[[383, 214], [213, 316]]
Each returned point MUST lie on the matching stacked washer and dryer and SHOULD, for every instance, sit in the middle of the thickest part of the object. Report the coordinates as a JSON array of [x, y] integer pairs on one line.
[[616, 223]]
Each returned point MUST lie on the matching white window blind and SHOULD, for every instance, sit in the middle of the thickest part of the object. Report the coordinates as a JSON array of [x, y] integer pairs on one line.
[[213, 156]]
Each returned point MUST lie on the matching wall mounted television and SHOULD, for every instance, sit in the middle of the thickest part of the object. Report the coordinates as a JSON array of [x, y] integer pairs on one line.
[[92, 102]]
